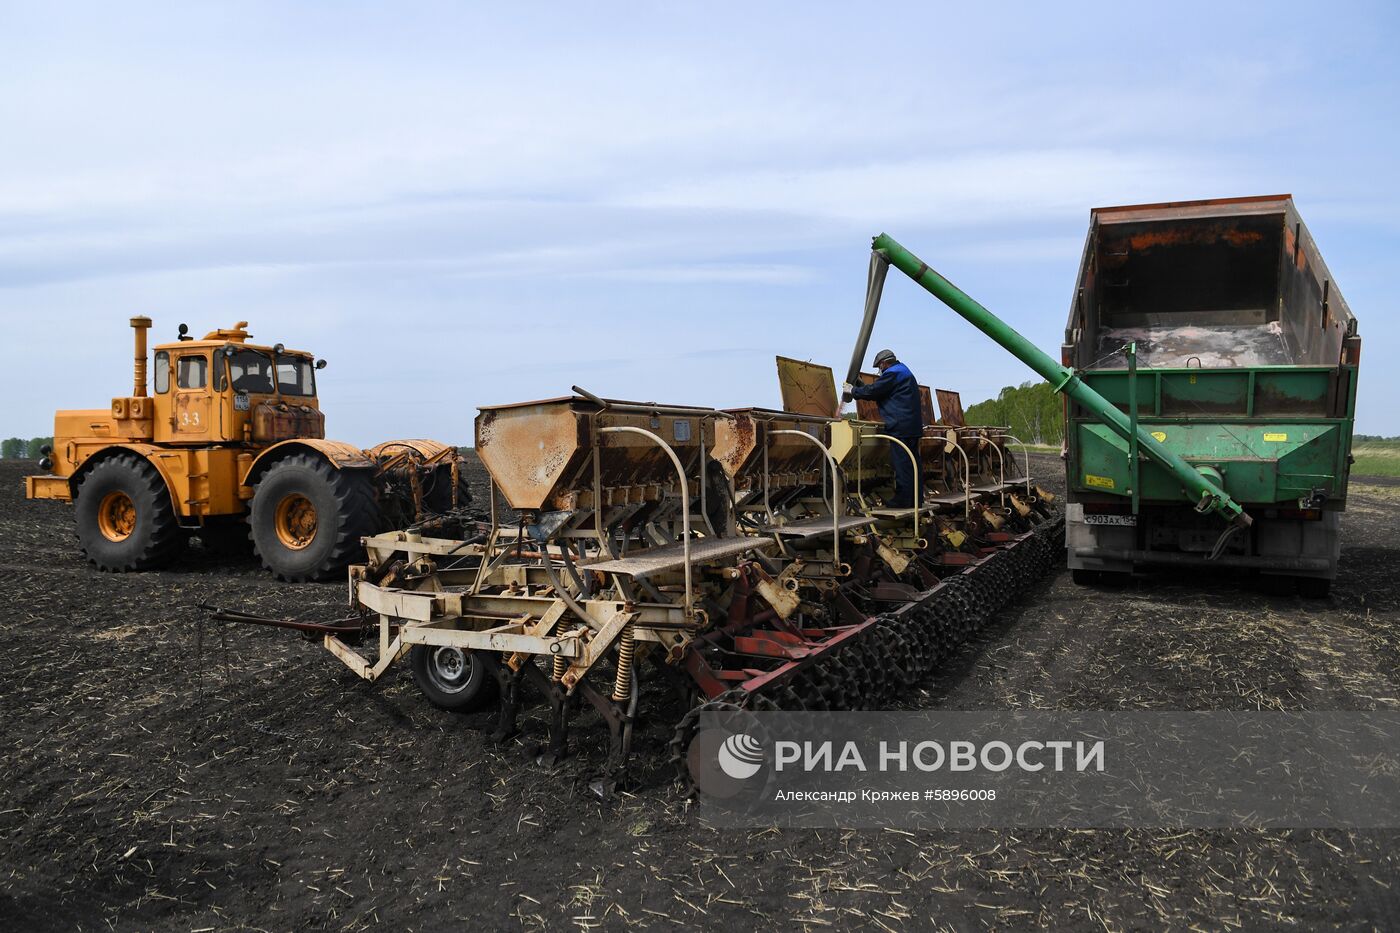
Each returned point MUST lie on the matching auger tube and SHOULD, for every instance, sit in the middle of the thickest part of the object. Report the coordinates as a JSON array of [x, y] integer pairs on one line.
[[1207, 495]]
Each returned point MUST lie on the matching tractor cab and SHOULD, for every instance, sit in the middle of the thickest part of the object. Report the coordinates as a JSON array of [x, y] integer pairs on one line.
[[223, 390]]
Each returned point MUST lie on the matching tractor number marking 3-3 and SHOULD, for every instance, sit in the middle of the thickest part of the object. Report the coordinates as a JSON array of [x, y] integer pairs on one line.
[[189, 417]]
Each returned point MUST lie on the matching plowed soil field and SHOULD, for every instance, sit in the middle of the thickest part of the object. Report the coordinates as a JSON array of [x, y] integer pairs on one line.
[[159, 771]]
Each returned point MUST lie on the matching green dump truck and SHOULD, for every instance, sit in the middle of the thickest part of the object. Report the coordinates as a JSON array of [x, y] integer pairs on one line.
[[1216, 326], [1209, 373]]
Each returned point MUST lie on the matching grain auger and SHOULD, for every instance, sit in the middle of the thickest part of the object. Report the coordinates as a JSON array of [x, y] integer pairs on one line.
[[1196, 484]]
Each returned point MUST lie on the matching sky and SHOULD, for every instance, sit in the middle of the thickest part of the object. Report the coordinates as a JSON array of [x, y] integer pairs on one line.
[[462, 204]]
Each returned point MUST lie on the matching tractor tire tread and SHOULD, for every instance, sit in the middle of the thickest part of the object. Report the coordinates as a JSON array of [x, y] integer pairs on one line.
[[357, 511], [164, 537]]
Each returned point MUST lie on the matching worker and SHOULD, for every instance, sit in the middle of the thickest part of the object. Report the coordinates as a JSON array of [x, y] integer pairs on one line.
[[897, 392]]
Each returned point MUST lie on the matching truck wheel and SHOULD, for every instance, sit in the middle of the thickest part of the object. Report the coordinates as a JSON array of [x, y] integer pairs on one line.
[[452, 678], [308, 518], [126, 520], [1113, 579], [1084, 577]]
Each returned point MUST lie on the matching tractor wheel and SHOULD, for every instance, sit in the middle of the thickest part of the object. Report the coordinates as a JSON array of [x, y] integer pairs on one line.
[[308, 518], [451, 678], [126, 520]]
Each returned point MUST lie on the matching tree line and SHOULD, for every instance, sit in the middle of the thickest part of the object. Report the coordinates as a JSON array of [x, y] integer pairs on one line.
[[12, 448], [1032, 411]]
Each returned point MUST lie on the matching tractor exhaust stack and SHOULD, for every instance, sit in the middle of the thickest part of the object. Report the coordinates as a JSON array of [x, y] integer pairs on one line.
[[140, 325]]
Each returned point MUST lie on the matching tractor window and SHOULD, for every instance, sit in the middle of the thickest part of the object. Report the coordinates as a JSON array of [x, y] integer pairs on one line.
[[295, 376], [192, 372], [162, 373], [251, 371]]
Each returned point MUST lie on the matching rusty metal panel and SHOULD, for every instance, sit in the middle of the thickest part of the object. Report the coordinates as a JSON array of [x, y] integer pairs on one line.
[[427, 449], [340, 454], [1175, 210], [632, 464], [950, 405], [275, 421], [740, 444], [540, 454], [529, 449], [866, 409], [807, 388], [926, 405]]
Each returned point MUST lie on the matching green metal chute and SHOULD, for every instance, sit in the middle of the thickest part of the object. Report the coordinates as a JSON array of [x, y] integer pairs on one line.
[[1200, 489]]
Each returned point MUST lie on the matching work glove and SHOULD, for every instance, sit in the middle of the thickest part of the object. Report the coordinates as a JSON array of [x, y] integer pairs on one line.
[[846, 392]]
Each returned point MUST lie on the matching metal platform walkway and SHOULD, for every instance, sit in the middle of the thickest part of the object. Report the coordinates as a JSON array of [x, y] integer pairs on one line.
[[1012, 482], [815, 527], [652, 560]]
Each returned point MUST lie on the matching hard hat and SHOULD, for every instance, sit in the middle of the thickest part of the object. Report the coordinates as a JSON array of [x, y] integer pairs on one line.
[[884, 356]]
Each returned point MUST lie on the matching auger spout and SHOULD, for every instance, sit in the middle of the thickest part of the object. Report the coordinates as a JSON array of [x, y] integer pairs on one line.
[[1208, 495]]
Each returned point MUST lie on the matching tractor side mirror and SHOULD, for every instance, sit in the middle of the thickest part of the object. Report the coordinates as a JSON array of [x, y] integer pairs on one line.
[[228, 352], [184, 330], [278, 348], [320, 364]]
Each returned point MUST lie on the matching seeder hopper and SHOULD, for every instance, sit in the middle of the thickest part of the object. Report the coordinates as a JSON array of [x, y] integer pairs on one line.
[[744, 557]]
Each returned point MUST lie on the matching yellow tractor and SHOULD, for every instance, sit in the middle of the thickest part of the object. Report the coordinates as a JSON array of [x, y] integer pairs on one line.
[[230, 446]]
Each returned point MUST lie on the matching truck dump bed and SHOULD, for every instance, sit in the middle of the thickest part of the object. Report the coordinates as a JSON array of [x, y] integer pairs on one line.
[[1226, 283]]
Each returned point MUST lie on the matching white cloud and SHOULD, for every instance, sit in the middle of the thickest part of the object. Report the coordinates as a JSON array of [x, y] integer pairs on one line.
[[965, 189], [464, 203], [740, 273]]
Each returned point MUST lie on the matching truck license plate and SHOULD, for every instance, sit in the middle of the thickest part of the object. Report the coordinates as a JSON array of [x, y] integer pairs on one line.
[[1128, 520]]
